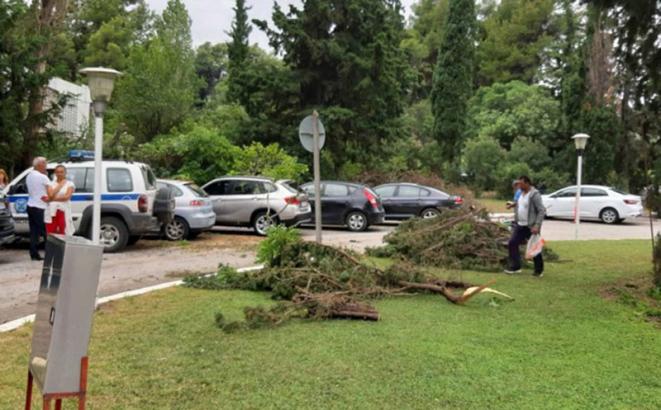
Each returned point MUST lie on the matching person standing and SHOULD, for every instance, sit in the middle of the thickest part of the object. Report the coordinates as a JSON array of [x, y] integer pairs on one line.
[[529, 214], [58, 214], [4, 179], [37, 184]]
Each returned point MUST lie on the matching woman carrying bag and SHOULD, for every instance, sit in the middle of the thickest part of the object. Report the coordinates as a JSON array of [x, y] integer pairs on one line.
[[58, 215]]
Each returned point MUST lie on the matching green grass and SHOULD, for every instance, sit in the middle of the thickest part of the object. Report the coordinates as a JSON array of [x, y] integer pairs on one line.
[[558, 345], [494, 205]]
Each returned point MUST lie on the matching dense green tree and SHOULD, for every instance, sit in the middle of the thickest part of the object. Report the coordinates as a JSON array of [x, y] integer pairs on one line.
[[160, 85], [211, 64], [346, 56], [515, 109], [481, 157], [515, 35], [238, 52], [422, 42], [529, 152], [453, 78]]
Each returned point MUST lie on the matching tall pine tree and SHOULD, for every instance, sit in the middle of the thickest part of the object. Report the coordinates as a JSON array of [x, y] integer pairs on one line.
[[238, 51], [453, 78]]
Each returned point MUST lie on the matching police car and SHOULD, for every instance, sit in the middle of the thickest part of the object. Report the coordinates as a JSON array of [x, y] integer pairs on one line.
[[131, 204]]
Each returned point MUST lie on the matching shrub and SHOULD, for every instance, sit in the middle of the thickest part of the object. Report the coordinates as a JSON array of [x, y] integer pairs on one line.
[[277, 239], [483, 155]]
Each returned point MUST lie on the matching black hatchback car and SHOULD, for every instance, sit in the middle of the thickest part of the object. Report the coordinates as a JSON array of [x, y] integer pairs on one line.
[[6, 222], [354, 206], [404, 200]]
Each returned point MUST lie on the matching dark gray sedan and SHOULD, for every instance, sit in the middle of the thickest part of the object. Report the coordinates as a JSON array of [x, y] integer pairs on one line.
[[405, 200]]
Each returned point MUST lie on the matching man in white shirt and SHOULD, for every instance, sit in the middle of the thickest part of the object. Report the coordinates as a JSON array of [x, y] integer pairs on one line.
[[37, 183]]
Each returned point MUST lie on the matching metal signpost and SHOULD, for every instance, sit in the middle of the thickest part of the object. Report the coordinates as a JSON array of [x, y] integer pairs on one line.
[[63, 322], [313, 136]]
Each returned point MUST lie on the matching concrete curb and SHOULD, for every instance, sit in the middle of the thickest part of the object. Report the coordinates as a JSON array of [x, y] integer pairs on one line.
[[15, 324]]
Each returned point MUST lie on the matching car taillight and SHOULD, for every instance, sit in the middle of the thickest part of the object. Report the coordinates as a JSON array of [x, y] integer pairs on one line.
[[143, 203], [292, 200], [196, 202], [371, 198], [458, 200], [630, 201]]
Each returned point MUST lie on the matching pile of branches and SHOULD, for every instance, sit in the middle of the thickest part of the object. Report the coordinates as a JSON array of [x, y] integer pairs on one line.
[[457, 239], [322, 282]]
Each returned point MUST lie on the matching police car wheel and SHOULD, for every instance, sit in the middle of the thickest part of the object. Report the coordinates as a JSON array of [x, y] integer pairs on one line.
[[114, 234], [176, 230]]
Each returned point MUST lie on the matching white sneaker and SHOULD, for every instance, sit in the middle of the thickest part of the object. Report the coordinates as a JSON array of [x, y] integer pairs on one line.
[[512, 272]]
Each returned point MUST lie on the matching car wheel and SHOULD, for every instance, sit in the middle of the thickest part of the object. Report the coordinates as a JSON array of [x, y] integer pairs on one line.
[[177, 229], [609, 216], [356, 221], [114, 234], [261, 223], [430, 213]]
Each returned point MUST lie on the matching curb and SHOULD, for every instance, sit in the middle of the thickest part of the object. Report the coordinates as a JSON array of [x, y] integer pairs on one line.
[[15, 324]]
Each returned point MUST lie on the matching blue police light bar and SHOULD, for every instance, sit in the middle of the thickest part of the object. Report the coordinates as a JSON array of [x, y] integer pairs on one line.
[[81, 155]]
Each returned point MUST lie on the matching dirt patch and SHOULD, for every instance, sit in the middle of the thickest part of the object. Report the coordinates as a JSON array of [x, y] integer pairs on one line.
[[639, 293]]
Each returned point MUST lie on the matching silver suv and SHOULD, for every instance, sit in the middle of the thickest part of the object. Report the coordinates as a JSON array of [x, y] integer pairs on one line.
[[257, 202]]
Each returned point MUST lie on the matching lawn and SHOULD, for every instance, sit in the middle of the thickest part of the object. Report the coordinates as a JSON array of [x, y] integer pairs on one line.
[[560, 344]]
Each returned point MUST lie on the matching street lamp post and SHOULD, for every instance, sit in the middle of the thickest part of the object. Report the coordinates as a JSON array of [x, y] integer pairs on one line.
[[100, 82], [580, 141]]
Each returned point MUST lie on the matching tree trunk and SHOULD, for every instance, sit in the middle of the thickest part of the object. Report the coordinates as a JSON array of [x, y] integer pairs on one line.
[[49, 14]]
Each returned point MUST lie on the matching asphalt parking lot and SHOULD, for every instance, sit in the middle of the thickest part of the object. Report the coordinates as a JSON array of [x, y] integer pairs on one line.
[[153, 261]]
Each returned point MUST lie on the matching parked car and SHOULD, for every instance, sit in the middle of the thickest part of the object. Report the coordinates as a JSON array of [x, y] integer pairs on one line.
[[6, 222], [131, 204], [353, 206], [193, 213], [597, 202], [257, 202], [404, 200]]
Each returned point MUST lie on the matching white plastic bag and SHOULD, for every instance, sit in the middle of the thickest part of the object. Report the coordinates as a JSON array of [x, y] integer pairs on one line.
[[535, 246]]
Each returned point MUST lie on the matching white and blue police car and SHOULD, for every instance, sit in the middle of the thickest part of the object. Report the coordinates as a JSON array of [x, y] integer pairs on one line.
[[131, 203]]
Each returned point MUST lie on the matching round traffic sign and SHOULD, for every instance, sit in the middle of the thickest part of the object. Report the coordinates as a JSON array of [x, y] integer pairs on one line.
[[306, 133]]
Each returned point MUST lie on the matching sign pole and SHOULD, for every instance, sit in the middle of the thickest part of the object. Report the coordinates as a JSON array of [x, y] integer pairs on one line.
[[98, 173], [577, 220], [317, 177]]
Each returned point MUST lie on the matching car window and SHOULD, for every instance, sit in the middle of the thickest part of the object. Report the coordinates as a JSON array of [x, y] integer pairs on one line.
[[119, 180], [177, 192], [196, 190], [19, 187], [619, 191], [268, 187], [425, 192], [308, 189], [593, 192], [408, 191], [219, 188], [386, 191], [78, 177], [242, 187], [335, 190], [149, 177], [89, 180], [567, 193]]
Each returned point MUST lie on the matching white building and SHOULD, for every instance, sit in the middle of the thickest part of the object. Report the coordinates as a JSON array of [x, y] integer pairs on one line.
[[74, 117]]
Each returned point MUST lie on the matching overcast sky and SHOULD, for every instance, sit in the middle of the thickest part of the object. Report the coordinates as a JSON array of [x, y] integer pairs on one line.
[[212, 18]]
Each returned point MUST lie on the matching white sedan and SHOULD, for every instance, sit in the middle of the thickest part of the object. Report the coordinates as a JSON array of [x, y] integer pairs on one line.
[[597, 202]]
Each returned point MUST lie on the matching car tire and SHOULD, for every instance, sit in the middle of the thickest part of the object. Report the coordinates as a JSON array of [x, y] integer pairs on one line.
[[261, 222], [356, 221], [430, 213], [114, 234], [176, 230], [609, 216]]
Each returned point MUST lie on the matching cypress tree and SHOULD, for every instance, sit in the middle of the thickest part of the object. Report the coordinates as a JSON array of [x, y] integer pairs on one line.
[[238, 50], [453, 80]]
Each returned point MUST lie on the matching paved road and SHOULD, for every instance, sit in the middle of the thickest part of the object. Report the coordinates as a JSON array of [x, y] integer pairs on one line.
[[154, 261]]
